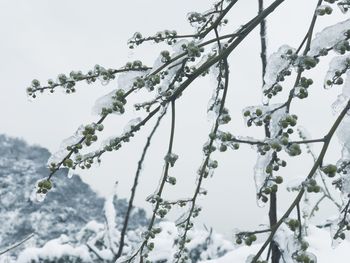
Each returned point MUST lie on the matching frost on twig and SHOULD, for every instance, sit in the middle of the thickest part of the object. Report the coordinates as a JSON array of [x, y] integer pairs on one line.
[[329, 37]]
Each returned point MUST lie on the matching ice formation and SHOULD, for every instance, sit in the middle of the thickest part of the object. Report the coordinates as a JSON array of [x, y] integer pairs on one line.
[[329, 37], [58, 156]]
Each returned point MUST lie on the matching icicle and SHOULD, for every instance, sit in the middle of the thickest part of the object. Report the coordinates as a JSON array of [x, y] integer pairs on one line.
[[110, 216], [260, 174]]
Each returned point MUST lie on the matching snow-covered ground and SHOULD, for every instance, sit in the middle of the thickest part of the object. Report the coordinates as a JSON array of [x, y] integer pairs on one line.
[[320, 244]]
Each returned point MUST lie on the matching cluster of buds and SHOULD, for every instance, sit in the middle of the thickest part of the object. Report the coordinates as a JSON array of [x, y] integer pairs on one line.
[[193, 50], [293, 224], [287, 123], [171, 158], [302, 89], [90, 136], [224, 117], [247, 237], [330, 170], [258, 117], [305, 257], [342, 46], [312, 187], [196, 18], [44, 186], [168, 36], [118, 104], [165, 56], [324, 10], [337, 79], [276, 88]]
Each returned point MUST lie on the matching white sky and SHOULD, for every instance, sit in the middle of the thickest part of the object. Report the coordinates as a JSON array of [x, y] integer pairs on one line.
[[40, 39]]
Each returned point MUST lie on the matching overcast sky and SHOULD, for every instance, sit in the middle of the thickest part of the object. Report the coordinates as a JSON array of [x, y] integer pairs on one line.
[[41, 39]]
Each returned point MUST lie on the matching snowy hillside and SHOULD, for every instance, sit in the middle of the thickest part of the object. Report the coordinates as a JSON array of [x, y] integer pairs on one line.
[[66, 210]]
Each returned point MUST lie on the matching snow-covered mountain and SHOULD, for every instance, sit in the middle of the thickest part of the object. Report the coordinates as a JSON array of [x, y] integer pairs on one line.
[[67, 208]]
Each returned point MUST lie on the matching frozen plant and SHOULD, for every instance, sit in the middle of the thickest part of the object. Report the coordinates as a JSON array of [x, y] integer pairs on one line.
[[191, 56]]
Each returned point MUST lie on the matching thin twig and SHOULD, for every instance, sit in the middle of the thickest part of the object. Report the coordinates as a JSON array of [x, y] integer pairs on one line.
[[17, 244], [133, 189]]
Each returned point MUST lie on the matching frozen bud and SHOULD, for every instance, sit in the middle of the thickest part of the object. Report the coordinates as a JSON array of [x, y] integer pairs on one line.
[[223, 148], [172, 180], [258, 112], [35, 83], [213, 164], [171, 158], [99, 127], [45, 184], [279, 179], [330, 170]]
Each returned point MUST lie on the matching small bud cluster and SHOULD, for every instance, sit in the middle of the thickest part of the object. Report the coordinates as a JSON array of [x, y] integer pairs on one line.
[[276, 88], [330, 170], [342, 46], [104, 75], [196, 19], [44, 186], [90, 136], [337, 79], [165, 56], [247, 237], [271, 189], [168, 36], [149, 82], [305, 257], [274, 165], [293, 224], [312, 187], [193, 50], [301, 90], [69, 82], [224, 140], [343, 225], [224, 117], [171, 180], [307, 62], [164, 209], [324, 10], [293, 149], [149, 244], [171, 158], [258, 117], [302, 255], [208, 148], [344, 167], [118, 104]]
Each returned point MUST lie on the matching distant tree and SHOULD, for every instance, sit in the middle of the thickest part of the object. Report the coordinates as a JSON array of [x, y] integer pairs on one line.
[[196, 55]]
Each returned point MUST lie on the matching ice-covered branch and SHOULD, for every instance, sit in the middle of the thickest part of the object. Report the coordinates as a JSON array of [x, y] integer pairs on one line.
[[309, 176]]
